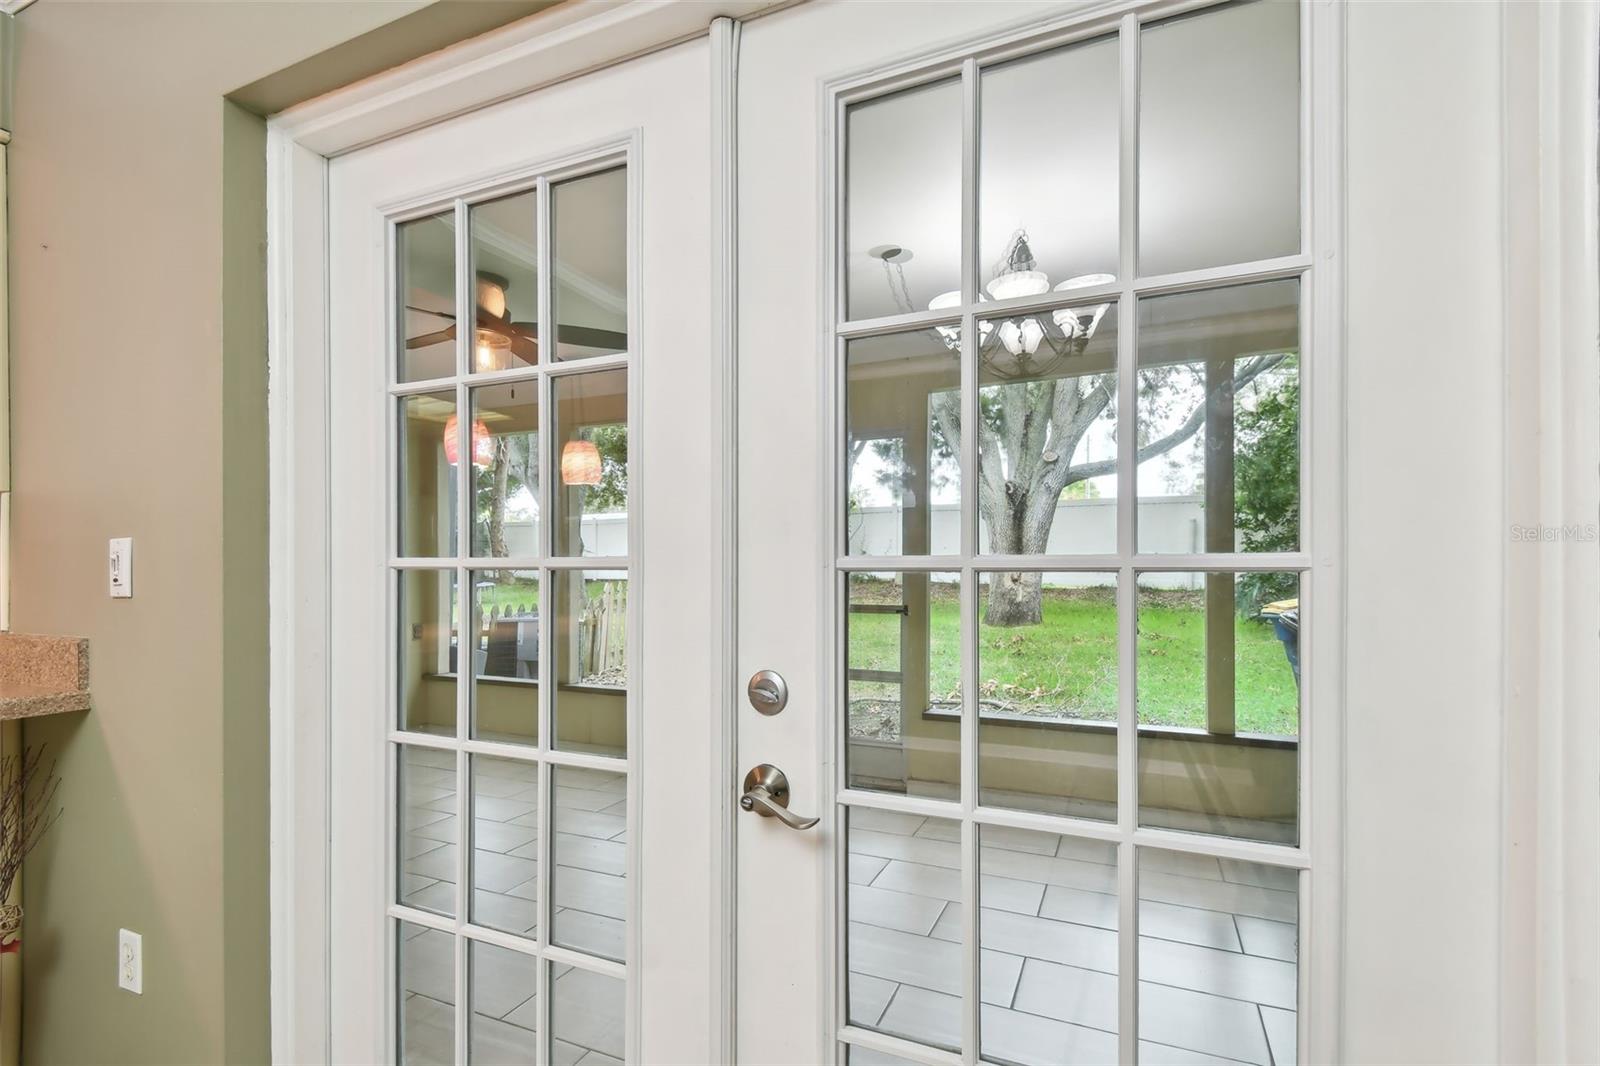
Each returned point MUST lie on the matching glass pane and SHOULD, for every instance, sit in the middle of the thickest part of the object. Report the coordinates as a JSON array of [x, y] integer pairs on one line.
[[505, 656], [903, 683], [505, 1015], [427, 996], [1048, 170], [1048, 935], [505, 486], [428, 641], [591, 460], [904, 955], [591, 653], [903, 200], [1219, 703], [1047, 692], [505, 261], [1219, 139], [587, 1019], [425, 251], [427, 796], [589, 823], [1048, 395], [1219, 420], [1217, 958], [903, 443], [430, 443], [505, 844], [590, 261]]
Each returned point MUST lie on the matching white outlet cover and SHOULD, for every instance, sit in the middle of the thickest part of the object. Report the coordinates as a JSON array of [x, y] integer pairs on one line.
[[130, 961]]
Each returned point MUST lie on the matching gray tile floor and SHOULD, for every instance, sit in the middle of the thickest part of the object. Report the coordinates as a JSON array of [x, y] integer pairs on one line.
[[1216, 948], [1217, 938], [589, 894]]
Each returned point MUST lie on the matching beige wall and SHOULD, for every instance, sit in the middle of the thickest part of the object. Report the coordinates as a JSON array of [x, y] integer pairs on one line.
[[133, 393]]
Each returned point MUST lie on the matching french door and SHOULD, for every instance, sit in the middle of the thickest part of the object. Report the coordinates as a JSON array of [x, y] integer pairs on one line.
[[1030, 456], [1037, 536], [520, 348]]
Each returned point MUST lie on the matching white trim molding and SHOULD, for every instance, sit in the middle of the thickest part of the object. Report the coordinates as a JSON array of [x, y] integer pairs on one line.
[[1550, 932]]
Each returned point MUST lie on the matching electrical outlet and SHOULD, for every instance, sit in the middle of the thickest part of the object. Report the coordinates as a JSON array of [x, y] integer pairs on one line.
[[130, 961]]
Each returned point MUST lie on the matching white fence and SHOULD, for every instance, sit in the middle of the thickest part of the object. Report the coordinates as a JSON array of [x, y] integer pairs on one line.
[[1081, 527]]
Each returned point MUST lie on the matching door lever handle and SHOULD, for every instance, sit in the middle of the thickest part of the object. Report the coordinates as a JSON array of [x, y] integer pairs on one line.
[[766, 791]]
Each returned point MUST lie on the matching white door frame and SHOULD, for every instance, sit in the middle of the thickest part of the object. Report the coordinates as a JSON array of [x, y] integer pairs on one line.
[[563, 43], [1550, 83]]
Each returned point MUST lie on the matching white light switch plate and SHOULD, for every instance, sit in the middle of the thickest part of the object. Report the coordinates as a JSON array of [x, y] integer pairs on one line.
[[121, 568], [130, 961]]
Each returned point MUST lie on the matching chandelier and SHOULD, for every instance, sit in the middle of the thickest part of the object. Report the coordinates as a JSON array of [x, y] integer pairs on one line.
[[1023, 346]]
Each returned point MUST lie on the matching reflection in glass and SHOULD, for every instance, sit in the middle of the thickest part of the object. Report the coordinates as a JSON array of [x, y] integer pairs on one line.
[[903, 200], [1048, 933], [1218, 943], [505, 490], [1048, 395], [591, 464], [505, 642], [505, 262], [428, 639], [590, 261], [587, 1016], [426, 793], [1048, 163], [903, 945], [503, 1025], [1219, 420], [427, 1013], [505, 844], [590, 890], [903, 439], [1219, 703], [903, 683], [591, 657], [1047, 694], [430, 445], [1219, 139], [425, 255]]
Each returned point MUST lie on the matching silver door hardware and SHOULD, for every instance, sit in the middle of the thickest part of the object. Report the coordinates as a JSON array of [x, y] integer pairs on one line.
[[766, 791], [768, 691]]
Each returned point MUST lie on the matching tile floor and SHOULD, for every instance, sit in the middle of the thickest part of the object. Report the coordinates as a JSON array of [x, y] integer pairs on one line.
[[1216, 947], [589, 894], [1217, 937]]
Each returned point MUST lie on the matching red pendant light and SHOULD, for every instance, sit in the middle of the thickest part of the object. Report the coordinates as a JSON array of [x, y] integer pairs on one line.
[[580, 463], [482, 444]]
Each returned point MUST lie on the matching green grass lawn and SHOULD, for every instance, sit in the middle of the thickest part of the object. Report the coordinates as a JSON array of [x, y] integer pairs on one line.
[[1067, 665]]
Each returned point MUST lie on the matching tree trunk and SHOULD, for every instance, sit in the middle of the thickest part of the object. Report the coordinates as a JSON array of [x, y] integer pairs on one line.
[[500, 473], [1015, 600]]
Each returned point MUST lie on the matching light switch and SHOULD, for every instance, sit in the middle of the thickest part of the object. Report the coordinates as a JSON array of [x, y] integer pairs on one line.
[[121, 568]]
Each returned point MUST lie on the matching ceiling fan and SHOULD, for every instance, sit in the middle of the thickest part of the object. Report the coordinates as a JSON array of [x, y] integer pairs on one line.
[[494, 335]]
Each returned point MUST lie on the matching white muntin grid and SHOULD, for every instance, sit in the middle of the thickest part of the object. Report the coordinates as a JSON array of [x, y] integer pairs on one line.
[[1097, 21], [546, 564]]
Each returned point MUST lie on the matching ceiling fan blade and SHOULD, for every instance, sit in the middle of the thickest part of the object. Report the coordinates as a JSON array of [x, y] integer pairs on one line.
[[428, 339], [436, 314], [525, 348]]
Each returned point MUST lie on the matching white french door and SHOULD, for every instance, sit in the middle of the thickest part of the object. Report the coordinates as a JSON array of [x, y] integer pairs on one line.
[[1035, 521], [519, 352]]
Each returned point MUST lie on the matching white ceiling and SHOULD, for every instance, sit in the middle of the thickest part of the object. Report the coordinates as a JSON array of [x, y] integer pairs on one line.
[[1219, 159]]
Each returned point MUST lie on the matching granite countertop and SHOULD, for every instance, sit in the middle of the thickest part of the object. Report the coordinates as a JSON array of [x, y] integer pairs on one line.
[[42, 675]]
